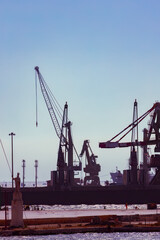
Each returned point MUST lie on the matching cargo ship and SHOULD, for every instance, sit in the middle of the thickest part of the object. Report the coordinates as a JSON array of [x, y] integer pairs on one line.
[[117, 177]]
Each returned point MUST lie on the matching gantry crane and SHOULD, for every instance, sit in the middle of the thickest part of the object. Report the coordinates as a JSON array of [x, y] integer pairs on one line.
[[91, 169], [64, 176], [151, 137]]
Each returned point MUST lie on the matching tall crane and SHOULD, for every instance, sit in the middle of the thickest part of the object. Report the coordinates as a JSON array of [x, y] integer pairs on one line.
[[154, 133], [151, 137], [127, 130], [92, 168], [133, 161], [64, 176]]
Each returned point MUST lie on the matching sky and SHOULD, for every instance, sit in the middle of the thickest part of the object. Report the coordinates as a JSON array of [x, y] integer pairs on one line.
[[98, 55]]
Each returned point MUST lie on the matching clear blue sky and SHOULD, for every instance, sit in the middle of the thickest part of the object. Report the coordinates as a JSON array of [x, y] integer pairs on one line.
[[98, 55]]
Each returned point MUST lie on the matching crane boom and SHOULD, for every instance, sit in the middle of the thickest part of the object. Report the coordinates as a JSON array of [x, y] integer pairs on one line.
[[109, 144], [45, 91]]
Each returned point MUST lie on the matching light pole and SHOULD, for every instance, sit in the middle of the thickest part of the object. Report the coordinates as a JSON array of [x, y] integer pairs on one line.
[[23, 166], [12, 134], [36, 176]]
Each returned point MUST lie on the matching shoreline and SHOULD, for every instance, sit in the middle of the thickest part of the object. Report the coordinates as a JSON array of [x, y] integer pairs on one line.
[[97, 229]]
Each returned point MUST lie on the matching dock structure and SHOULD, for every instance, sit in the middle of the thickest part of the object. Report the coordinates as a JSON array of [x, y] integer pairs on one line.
[[80, 221]]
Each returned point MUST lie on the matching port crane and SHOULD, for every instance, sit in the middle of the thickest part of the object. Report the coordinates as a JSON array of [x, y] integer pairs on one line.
[[64, 176], [92, 168], [151, 137]]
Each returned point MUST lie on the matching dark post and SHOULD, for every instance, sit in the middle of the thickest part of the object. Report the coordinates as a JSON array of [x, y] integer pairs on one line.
[[6, 209], [23, 166], [12, 134], [36, 166]]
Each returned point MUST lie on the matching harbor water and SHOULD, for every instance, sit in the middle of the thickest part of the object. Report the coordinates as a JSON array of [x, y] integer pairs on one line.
[[91, 236]]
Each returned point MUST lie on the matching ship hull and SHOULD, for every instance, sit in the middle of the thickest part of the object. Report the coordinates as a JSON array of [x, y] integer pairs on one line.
[[85, 195]]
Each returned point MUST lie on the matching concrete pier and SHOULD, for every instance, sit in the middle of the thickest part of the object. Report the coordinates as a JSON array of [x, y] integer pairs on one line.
[[78, 221], [17, 206]]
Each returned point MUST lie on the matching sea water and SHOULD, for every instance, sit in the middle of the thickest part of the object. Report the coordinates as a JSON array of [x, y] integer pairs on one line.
[[91, 236]]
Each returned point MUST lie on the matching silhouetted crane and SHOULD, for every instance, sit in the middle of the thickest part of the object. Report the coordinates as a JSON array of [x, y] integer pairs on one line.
[[151, 137], [92, 168], [64, 176]]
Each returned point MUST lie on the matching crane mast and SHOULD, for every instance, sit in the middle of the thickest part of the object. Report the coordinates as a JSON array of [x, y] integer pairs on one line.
[[154, 133], [64, 176], [133, 161]]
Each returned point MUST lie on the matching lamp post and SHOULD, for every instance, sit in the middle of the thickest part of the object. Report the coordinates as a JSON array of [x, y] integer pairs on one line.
[[23, 166], [12, 134], [36, 176]]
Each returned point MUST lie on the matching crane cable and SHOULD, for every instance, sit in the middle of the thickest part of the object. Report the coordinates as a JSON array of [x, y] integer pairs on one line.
[[5, 155], [133, 125], [36, 100], [57, 108], [54, 101]]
